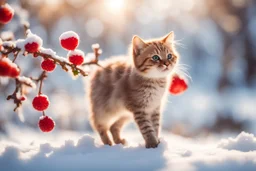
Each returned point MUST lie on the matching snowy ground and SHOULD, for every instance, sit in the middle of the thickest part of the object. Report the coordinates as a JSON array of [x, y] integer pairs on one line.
[[59, 151]]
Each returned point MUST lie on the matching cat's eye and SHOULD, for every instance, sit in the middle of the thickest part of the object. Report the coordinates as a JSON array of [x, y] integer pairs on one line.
[[155, 58], [169, 56]]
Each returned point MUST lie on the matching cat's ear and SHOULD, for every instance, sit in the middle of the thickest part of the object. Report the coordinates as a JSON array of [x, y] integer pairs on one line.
[[137, 44], [169, 38]]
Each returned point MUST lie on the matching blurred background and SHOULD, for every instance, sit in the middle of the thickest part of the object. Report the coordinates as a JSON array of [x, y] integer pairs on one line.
[[215, 38]]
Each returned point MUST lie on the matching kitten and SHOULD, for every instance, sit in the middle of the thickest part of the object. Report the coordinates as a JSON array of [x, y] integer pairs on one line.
[[122, 90]]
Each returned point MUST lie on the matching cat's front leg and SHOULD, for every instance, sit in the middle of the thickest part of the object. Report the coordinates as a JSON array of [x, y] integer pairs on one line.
[[155, 119], [147, 130]]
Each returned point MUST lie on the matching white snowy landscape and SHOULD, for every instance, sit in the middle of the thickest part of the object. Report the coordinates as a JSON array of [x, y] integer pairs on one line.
[[29, 150]]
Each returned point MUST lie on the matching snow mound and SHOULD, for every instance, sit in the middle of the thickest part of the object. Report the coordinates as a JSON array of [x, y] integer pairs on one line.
[[68, 34], [243, 142], [20, 44], [27, 81], [48, 51], [95, 46], [8, 44], [28, 150], [75, 52], [33, 38], [83, 155]]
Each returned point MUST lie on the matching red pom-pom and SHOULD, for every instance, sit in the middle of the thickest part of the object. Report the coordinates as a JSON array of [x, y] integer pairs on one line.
[[5, 67], [14, 72], [69, 43], [48, 65], [6, 13], [40, 102], [178, 85], [8, 68], [76, 57], [32, 47], [46, 124], [69, 40]]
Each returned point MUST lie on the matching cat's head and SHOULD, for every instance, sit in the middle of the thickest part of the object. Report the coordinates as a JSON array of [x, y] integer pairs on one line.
[[155, 58]]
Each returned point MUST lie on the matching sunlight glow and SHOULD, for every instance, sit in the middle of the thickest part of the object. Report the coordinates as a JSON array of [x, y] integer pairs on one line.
[[114, 5]]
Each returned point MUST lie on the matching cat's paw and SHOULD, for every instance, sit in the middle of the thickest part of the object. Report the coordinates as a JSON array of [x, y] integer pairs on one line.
[[152, 143], [121, 141]]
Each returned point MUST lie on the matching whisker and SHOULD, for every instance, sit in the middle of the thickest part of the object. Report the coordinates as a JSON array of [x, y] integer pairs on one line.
[[178, 43], [183, 71]]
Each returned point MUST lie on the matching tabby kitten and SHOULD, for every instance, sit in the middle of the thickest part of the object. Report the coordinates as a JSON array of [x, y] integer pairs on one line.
[[121, 90]]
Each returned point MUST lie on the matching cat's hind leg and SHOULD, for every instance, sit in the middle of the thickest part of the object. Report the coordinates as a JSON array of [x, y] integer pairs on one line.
[[116, 128]]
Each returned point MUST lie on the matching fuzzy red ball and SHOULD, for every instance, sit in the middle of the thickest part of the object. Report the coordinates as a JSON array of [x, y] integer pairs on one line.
[[6, 13], [5, 68], [32, 47], [76, 59], [48, 65], [178, 85], [40, 102], [8, 68], [46, 124], [14, 72], [70, 43]]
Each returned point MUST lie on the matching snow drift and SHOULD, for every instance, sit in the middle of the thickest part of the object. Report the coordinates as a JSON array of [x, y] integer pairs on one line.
[[174, 153]]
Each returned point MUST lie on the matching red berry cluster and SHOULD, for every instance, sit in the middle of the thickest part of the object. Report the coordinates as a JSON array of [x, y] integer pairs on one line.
[[8, 68], [70, 40], [178, 85], [41, 103], [6, 13], [33, 44]]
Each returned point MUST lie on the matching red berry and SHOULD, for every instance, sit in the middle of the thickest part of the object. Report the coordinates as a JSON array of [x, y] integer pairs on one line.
[[46, 124], [48, 65], [5, 67], [32, 47], [40, 102], [69, 40], [8, 68], [14, 72], [6, 13], [76, 57], [178, 85]]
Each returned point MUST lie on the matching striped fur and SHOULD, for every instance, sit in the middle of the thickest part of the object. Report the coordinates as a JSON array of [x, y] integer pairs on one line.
[[121, 91]]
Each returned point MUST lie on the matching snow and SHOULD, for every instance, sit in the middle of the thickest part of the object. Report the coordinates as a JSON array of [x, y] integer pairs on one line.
[[48, 51], [20, 44], [243, 142], [89, 57], [95, 46], [68, 34], [75, 52], [60, 151], [7, 35], [6, 5], [8, 44], [62, 59], [27, 81], [33, 38]]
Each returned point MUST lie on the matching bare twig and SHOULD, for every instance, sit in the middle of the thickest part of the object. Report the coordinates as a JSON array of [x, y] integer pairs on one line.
[[14, 96]]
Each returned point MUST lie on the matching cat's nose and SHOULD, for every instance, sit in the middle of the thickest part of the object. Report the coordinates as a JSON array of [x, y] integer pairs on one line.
[[166, 63]]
